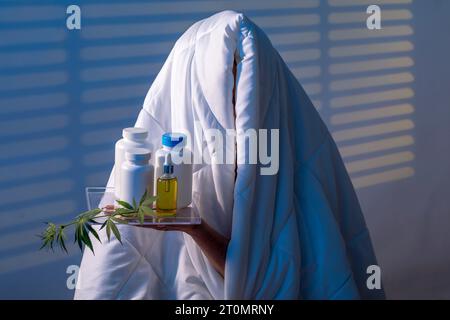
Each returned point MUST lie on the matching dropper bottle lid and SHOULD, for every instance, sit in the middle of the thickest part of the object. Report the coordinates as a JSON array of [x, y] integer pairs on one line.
[[168, 165]]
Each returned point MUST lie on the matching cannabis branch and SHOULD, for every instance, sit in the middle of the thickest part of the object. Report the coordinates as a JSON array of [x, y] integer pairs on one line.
[[83, 223]]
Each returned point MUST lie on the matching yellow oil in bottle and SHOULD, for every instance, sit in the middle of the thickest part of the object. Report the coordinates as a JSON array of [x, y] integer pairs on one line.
[[167, 191], [166, 203]]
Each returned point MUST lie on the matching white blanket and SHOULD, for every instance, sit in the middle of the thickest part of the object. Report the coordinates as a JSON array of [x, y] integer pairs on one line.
[[297, 234]]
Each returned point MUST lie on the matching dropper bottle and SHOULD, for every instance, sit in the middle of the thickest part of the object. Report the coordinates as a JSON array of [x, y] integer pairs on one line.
[[166, 190]]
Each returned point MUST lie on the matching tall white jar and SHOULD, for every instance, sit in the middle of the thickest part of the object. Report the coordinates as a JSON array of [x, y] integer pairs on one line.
[[175, 143], [136, 175], [132, 138]]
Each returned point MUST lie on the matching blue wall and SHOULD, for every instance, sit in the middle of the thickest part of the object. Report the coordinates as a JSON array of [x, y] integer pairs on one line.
[[65, 95]]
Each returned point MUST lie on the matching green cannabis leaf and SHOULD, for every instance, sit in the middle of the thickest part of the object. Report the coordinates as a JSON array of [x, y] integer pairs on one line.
[[125, 204], [83, 223]]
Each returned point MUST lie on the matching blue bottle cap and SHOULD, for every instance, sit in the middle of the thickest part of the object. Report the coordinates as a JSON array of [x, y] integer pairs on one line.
[[171, 139]]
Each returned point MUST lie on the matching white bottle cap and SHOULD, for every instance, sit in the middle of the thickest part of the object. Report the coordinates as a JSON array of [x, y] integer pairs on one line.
[[138, 154], [135, 133]]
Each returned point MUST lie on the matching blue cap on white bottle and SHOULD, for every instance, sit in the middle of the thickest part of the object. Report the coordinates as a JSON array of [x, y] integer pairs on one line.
[[171, 139]]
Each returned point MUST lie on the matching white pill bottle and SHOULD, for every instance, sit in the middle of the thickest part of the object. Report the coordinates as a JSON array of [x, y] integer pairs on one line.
[[132, 138], [175, 144], [136, 175]]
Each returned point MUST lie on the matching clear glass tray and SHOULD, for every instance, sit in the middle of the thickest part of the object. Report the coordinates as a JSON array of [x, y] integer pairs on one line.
[[99, 197]]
